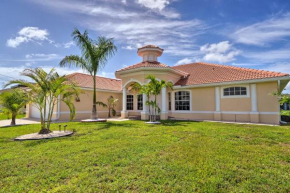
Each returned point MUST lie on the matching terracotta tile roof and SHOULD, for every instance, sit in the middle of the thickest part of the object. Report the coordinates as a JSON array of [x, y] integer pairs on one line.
[[145, 64], [205, 73], [86, 80]]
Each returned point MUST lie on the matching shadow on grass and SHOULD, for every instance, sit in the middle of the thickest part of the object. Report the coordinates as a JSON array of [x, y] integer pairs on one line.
[[177, 122]]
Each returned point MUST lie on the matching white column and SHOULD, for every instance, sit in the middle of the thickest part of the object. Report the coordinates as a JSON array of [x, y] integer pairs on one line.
[[217, 99], [164, 100], [217, 114], [172, 101], [144, 103], [124, 100], [254, 98]]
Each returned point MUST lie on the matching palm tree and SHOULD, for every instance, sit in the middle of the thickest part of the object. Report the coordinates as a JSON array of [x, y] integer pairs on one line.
[[155, 88], [44, 93], [111, 104], [12, 102], [95, 54]]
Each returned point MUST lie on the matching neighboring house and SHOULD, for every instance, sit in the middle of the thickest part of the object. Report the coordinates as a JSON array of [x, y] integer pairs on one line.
[[202, 91]]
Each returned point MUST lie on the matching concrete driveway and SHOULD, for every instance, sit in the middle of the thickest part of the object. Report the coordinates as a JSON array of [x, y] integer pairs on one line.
[[24, 121]]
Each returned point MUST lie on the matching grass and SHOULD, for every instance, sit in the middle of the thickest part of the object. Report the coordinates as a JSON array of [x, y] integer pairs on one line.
[[4, 117], [134, 157]]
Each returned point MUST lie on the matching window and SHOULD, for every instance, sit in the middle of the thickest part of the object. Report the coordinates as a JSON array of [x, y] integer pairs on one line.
[[182, 101], [130, 102], [235, 91], [140, 102], [169, 101]]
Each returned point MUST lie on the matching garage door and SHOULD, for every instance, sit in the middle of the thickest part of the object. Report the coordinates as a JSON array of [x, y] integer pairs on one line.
[[35, 112]]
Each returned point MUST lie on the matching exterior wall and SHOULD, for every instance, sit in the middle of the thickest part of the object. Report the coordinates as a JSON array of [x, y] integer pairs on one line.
[[267, 102], [202, 105], [236, 109], [84, 107]]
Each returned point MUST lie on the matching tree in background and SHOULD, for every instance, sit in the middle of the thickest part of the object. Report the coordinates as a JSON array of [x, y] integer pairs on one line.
[[111, 104], [47, 90], [95, 54], [12, 103]]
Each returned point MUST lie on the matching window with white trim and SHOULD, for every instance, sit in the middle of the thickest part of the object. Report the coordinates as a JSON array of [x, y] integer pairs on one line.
[[130, 102], [140, 102], [182, 101], [169, 101], [235, 91]]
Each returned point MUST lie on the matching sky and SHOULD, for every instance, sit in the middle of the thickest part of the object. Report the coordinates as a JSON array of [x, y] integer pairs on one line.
[[243, 33]]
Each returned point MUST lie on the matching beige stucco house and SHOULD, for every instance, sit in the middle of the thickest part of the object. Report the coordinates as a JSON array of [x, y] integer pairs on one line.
[[202, 91]]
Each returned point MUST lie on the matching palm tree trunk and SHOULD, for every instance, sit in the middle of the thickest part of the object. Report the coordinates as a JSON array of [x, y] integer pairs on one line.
[[94, 110], [13, 120]]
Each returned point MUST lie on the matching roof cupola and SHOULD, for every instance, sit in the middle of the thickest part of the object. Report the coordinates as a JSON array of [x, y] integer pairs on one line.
[[150, 53]]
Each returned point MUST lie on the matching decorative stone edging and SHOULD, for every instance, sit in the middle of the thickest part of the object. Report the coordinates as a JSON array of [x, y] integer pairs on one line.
[[93, 120], [36, 136]]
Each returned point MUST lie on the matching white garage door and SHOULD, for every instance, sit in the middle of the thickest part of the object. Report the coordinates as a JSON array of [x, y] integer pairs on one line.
[[35, 112]]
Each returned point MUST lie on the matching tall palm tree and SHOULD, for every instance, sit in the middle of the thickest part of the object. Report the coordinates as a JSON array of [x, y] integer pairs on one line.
[[95, 54], [12, 102]]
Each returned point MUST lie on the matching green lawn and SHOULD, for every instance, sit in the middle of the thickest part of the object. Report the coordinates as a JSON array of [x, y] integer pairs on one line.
[[4, 117], [134, 157]]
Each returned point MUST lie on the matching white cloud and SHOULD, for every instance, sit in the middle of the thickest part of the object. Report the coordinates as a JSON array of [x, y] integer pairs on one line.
[[28, 34], [221, 47], [41, 57], [107, 74], [130, 25], [68, 44], [95, 11], [154, 4], [124, 1], [130, 47], [13, 43], [262, 33], [32, 58], [184, 61], [270, 56], [221, 52]]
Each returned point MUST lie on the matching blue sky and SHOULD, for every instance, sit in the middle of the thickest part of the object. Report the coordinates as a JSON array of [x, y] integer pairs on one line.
[[244, 33]]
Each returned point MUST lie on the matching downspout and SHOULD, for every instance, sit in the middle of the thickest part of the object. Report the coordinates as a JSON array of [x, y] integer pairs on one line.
[[279, 85]]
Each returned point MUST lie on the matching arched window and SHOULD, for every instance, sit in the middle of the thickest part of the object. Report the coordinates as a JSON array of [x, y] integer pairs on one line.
[[235, 91], [182, 101]]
